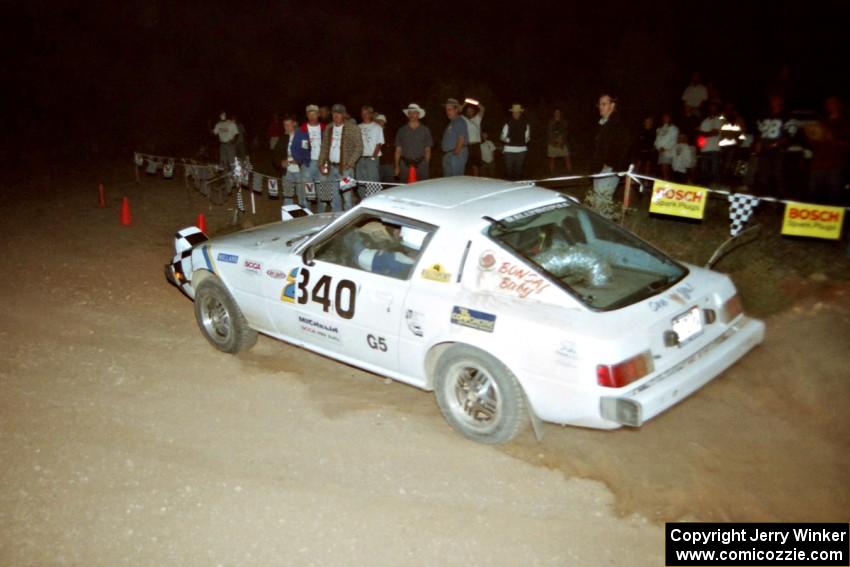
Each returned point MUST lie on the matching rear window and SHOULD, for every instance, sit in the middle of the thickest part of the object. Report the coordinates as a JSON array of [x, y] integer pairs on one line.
[[599, 262]]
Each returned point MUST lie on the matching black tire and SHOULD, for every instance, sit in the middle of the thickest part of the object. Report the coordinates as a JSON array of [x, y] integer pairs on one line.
[[479, 397], [220, 319]]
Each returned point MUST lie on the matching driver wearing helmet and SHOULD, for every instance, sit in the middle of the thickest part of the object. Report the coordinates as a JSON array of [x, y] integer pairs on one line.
[[397, 260]]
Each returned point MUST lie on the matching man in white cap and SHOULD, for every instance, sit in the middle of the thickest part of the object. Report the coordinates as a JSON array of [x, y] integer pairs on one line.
[[413, 145], [373, 140], [455, 137], [306, 149], [227, 132], [515, 134], [342, 146]]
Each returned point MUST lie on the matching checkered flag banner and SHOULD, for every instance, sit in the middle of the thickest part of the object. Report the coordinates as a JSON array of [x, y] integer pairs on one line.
[[369, 188], [272, 188], [741, 208], [240, 203], [326, 190], [289, 188]]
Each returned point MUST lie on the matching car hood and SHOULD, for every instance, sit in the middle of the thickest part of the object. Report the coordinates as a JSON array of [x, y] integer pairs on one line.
[[280, 236]]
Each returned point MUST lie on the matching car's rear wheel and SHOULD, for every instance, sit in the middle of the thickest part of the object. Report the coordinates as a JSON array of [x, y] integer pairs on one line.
[[479, 396], [220, 319]]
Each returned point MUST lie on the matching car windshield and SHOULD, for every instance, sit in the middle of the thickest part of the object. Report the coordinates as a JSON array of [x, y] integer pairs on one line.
[[603, 265]]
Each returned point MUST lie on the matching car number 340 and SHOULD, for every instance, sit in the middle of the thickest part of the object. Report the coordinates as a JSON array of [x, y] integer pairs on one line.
[[345, 293]]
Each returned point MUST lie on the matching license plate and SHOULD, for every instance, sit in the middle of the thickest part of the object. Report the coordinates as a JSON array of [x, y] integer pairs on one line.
[[688, 324]]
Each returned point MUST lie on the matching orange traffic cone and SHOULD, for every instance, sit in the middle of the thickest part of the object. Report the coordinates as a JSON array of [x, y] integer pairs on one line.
[[411, 174], [101, 196], [126, 220], [202, 223]]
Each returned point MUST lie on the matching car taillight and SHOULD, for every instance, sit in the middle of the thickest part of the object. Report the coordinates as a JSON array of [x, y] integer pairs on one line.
[[625, 372], [732, 308]]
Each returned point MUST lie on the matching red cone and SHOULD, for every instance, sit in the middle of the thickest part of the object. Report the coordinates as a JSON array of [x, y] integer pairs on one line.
[[126, 220], [411, 174], [101, 196], [202, 223]]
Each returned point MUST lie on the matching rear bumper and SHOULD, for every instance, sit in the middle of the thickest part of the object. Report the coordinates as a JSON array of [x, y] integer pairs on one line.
[[642, 403]]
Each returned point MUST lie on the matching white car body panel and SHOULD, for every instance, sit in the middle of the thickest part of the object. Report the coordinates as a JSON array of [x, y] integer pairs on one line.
[[550, 340]]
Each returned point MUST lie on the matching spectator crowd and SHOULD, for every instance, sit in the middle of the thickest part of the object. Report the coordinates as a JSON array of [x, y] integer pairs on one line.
[[706, 141]]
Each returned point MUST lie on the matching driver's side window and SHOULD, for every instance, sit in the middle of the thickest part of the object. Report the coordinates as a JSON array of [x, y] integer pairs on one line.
[[380, 244]]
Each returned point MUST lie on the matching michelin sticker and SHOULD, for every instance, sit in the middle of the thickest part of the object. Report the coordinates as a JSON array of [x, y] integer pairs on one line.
[[319, 329], [478, 320]]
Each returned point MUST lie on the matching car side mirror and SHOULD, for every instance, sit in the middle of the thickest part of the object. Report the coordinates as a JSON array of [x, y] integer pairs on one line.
[[308, 256]]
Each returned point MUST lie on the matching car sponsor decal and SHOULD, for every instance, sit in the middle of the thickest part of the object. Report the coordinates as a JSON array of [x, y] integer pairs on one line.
[[319, 329], [276, 274], [252, 266], [478, 320], [487, 261], [436, 273], [519, 279], [535, 211], [567, 353], [288, 293], [229, 258], [414, 321], [680, 295]]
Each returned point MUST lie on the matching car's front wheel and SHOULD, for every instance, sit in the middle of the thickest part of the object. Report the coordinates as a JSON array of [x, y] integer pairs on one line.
[[220, 319], [479, 396]]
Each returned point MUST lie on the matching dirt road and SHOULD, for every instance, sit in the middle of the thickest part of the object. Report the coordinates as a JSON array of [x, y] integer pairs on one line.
[[125, 439]]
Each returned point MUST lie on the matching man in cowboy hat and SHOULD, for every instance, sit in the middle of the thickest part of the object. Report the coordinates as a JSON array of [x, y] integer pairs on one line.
[[342, 146], [455, 152], [413, 144], [515, 134]]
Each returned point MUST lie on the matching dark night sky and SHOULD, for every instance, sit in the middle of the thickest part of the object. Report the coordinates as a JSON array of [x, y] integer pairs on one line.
[[151, 74]]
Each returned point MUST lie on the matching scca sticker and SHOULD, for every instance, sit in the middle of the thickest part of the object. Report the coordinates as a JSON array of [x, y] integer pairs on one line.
[[229, 258], [478, 320], [253, 266], [436, 273]]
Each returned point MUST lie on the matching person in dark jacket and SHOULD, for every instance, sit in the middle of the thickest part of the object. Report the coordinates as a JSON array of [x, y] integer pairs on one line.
[[283, 156], [610, 154]]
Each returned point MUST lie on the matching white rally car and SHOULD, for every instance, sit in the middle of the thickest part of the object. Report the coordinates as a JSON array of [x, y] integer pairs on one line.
[[514, 303]]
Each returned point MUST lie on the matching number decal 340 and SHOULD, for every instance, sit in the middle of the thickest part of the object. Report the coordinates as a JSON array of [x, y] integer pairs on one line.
[[345, 292]]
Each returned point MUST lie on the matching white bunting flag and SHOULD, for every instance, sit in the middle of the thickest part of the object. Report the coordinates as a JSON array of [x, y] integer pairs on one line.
[[168, 169], [272, 188]]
